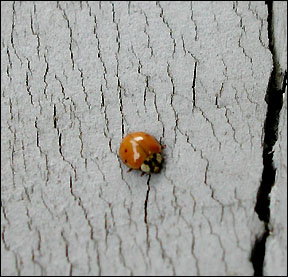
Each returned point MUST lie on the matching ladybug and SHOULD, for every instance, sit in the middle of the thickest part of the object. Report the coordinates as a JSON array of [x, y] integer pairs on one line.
[[141, 151]]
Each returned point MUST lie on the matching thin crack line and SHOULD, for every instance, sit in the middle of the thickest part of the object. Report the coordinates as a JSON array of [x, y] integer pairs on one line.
[[146, 214]]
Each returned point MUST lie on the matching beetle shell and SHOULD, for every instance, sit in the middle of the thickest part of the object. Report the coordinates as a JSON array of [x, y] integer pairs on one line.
[[142, 151]]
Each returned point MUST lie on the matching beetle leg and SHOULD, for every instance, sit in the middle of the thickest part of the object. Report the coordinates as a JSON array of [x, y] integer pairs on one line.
[[129, 170]]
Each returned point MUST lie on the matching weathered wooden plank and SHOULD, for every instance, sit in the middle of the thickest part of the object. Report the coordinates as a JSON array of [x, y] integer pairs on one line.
[[76, 77]]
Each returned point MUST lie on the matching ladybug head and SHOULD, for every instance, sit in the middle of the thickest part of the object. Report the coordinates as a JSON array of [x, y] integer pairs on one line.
[[153, 163]]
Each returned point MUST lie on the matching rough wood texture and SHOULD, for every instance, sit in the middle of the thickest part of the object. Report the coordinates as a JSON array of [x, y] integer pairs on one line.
[[276, 246], [76, 77]]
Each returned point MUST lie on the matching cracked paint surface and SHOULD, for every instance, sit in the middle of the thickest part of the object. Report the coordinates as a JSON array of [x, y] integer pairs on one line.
[[77, 76]]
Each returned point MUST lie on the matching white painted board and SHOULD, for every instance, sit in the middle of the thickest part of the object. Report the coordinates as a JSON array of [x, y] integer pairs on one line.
[[76, 77]]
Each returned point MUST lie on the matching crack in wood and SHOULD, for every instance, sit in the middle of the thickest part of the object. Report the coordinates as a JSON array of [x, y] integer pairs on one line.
[[18, 263], [70, 34], [194, 21], [168, 26], [212, 127], [146, 199], [274, 98], [100, 52], [45, 74], [194, 85], [67, 253], [163, 252], [171, 102], [84, 88], [13, 31], [28, 87], [5, 243], [42, 268], [223, 256], [35, 33]]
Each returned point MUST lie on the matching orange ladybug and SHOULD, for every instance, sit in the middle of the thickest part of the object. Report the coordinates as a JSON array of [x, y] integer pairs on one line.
[[142, 151]]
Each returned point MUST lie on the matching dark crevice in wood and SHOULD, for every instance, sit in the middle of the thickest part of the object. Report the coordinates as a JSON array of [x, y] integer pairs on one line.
[[146, 200], [146, 214], [194, 85], [274, 98], [258, 253]]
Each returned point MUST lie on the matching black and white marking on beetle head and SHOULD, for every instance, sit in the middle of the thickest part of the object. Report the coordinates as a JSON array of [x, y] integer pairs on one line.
[[153, 163]]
